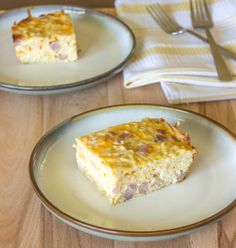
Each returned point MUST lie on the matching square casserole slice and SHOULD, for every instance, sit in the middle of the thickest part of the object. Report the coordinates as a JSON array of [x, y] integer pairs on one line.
[[135, 158], [44, 39]]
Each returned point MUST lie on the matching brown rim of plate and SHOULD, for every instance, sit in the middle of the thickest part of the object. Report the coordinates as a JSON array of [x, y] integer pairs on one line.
[[106, 75], [115, 232]]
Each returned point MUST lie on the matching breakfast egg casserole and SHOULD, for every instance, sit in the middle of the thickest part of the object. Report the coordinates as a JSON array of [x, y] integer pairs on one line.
[[135, 158], [43, 39]]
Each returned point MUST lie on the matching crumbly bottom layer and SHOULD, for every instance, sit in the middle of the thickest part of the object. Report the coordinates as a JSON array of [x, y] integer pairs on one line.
[[124, 188], [45, 50]]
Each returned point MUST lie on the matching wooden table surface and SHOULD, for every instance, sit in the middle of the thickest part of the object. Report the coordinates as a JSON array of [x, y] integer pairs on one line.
[[9, 4], [24, 222]]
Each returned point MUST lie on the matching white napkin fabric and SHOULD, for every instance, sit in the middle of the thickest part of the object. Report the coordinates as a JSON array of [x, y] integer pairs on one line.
[[182, 64]]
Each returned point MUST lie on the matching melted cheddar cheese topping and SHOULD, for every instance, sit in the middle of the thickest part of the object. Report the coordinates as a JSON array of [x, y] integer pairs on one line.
[[137, 143], [57, 23]]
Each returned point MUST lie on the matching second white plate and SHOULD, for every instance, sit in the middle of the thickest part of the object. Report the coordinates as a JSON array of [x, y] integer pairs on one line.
[[106, 45], [206, 195]]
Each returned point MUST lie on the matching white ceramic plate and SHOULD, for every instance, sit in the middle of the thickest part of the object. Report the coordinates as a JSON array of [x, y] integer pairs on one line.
[[206, 195], [106, 45]]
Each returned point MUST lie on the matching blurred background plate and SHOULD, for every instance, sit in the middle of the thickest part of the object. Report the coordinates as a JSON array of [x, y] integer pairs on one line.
[[106, 45]]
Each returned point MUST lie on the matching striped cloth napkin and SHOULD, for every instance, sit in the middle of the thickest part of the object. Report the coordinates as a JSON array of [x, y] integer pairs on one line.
[[182, 64]]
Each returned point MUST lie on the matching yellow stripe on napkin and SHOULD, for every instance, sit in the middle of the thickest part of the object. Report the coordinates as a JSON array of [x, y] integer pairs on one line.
[[181, 51]]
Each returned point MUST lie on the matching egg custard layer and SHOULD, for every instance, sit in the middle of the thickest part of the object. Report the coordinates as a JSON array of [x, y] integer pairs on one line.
[[44, 39], [135, 158]]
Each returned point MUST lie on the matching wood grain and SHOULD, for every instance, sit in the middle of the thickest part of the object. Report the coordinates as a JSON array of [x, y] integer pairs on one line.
[[24, 222], [83, 3]]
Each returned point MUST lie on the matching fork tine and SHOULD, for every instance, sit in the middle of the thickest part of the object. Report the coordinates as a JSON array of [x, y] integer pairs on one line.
[[192, 11], [199, 10], [166, 22], [162, 16], [157, 17], [202, 10], [168, 19], [207, 11]]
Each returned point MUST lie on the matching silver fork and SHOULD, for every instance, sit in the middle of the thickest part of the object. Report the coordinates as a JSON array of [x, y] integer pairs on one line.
[[170, 26], [201, 18]]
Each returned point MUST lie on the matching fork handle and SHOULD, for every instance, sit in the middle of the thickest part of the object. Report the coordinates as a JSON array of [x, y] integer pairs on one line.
[[221, 67], [226, 51]]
